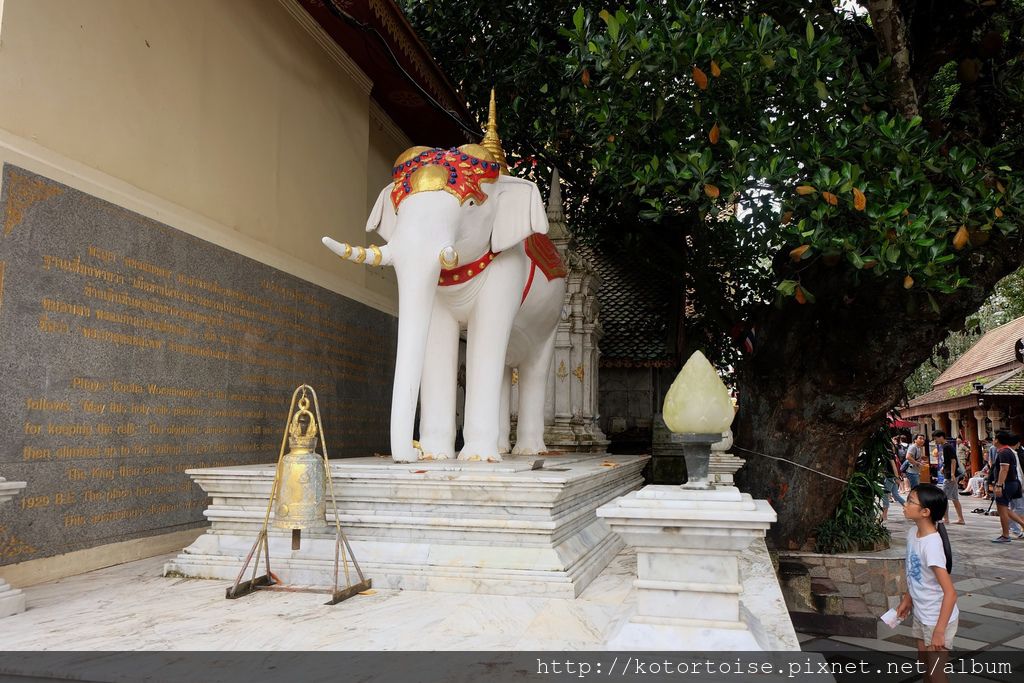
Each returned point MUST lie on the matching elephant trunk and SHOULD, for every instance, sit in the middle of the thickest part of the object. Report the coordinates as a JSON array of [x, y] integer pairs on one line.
[[372, 255], [416, 290]]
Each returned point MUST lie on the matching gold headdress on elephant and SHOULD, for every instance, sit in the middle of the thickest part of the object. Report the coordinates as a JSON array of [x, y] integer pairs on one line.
[[457, 170]]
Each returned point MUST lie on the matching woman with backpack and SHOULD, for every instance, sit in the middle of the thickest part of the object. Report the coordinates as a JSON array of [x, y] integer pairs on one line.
[[1005, 477]]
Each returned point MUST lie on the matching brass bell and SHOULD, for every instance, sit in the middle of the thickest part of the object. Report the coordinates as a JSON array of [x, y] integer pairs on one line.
[[301, 499]]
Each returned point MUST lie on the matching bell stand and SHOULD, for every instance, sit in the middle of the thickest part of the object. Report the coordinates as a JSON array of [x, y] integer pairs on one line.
[[269, 581]]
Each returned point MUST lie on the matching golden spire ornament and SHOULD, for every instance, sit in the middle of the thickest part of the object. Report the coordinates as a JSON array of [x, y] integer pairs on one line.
[[491, 141]]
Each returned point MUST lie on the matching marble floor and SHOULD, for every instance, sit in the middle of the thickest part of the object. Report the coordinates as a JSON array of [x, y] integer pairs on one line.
[[132, 607]]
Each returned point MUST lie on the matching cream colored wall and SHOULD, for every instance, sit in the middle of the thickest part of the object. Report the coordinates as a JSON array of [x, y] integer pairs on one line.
[[387, 142], [228, 115]]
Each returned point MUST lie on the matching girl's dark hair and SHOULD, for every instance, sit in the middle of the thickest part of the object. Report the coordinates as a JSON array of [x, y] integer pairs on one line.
[[932, 497]]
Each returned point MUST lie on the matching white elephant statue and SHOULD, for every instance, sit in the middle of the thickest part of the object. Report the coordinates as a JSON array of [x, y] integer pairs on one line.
[[468, 245]]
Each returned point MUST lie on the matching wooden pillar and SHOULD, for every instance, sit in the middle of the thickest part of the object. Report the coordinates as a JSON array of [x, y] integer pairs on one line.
[[971, 432]]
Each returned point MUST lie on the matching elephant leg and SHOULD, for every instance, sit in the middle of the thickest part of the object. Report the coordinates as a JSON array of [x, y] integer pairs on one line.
[[438, 386], [489, 328], [505, 413], [533, 379]]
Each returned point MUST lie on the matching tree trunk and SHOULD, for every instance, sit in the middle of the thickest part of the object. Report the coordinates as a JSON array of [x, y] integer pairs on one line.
[[824, 375], [889, 26]]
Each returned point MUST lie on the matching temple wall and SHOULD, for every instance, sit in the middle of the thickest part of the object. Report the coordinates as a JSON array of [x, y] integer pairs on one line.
[[229, 110], [167, 172]]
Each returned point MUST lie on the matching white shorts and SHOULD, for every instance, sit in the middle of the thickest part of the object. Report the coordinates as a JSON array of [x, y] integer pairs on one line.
[[924, 632]]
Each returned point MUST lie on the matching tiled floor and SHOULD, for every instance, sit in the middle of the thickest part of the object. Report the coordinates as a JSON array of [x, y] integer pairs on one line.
[[132, 607], [989, 579]]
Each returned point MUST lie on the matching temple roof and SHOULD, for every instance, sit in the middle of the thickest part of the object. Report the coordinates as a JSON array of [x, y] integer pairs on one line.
[[1011, 384], [989, 368], [406, 107], [994, 350]]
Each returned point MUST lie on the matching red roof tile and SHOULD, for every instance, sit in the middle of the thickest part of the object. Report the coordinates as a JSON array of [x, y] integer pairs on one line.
[[993, 350], [1011, 384]]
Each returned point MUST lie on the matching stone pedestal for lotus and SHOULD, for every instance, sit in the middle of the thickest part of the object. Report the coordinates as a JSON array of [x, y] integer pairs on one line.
[[688, 545], [689, 538], [12, 600], [667, 463], [723, 465]]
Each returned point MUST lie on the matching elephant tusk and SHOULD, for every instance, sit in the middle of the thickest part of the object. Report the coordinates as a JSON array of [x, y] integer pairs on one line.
[[379, 256]]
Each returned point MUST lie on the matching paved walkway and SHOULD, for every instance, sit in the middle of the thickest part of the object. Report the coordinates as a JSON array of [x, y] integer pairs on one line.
[[989, 579]]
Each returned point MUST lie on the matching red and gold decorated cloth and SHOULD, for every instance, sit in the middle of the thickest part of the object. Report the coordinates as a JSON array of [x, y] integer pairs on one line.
[[457, 276], [544, 254], [465, 173]]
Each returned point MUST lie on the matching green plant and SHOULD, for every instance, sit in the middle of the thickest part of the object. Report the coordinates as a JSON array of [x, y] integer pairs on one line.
[[840, 188], [856, 523]]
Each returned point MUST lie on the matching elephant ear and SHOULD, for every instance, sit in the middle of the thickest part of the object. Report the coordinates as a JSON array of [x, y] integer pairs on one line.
[[520, 213], [382, 216]]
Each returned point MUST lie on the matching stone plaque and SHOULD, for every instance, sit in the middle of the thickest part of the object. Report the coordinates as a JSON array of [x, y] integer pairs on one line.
[[131, 352]]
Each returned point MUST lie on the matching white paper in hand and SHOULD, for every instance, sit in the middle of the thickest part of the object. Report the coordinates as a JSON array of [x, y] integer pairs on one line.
[[891, 619]]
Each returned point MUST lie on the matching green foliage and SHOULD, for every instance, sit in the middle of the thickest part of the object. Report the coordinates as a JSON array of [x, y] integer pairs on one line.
[[856, 522], [755, 152], [716, 139], [793, 125]]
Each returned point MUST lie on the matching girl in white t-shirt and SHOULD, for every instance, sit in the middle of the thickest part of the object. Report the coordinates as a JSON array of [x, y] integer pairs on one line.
[[930, 591]]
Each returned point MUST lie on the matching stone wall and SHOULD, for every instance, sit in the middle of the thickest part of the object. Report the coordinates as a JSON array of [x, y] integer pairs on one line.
[[629, 398], [879, 579], [131, 352]]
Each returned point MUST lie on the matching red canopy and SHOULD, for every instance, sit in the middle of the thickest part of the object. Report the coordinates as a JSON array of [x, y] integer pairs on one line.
[[899, 423]]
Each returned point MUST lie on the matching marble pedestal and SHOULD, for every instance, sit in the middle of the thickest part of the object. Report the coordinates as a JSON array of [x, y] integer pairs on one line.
[[688, 587], [575, 436], [468, 527], [722, 467], [12, 600]]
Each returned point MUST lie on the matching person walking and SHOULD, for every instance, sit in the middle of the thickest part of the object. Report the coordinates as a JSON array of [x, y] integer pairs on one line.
[[917, 455], [930, 594], [1005, 476], [949, 466], [891, 485], [1017, 504]]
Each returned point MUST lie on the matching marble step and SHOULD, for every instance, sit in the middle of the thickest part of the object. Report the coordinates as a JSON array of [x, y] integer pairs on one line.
[[503, 528]]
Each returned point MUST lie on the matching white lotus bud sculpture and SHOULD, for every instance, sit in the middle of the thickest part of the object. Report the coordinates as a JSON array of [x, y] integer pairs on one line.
[[699, 408]]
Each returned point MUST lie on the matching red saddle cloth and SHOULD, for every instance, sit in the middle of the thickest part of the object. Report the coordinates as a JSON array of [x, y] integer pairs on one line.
[[544, 255]]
